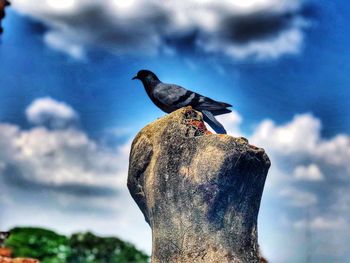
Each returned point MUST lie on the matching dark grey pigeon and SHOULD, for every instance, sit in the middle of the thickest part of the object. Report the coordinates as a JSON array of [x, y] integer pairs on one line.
[[170, 97]]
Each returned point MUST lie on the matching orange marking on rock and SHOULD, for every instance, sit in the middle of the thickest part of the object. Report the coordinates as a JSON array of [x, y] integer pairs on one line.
[[200, 126], [5, 252]]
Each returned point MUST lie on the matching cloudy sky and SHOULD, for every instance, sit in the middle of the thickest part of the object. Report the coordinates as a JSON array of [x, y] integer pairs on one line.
[[68, 109]]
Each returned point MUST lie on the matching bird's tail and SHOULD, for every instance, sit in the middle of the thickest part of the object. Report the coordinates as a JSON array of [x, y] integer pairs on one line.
[[210, 119]]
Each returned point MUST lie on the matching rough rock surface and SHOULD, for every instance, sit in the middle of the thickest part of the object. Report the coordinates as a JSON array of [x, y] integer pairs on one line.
[[17, 260], [199, 192], [5, 257]]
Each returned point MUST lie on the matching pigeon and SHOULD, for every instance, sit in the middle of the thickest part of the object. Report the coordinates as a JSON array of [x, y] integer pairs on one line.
[[170, 97]]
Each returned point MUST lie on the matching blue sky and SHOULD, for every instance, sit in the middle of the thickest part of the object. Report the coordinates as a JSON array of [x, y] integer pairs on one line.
[[65, 81]]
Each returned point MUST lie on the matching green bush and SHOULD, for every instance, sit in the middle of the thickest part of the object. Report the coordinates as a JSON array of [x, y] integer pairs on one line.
[[50, 247], [88, 248], [39, 243]]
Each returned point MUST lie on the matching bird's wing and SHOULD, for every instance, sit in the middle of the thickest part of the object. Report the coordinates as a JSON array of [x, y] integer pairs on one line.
[[176, 97], [209, 104], [210, 119], [173, 95]]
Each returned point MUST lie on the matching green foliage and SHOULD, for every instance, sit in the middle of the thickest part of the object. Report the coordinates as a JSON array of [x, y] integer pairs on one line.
[[39, 243], [88, 248], [49, 247]]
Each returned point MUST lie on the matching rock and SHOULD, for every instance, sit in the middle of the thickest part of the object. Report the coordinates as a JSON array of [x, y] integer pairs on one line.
[[199, 192], [5, 252], [17, 260], [263, 260]]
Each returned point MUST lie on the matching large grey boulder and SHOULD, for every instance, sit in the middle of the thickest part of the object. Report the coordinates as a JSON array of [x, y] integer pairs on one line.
[[199, 192]]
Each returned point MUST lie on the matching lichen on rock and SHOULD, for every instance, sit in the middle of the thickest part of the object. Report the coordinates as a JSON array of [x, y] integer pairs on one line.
[[199, 192]]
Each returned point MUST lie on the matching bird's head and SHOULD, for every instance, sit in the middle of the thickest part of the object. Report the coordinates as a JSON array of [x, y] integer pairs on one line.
[[146, 76]]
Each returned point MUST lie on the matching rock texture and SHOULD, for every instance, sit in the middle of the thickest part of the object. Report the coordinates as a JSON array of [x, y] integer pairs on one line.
[[199, 192], [5, 257], [17, 260]]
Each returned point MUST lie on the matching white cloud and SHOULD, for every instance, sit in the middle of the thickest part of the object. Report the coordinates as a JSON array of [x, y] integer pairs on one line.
[[286, 42], [298, 198], [296, 148], [64, 157], [335, 151], [308, 173], [301, 138], [60, 158], [261, 29], [231, 122], [47, 111], [62, 5], [58, 41], [323, 223], [301, 135]]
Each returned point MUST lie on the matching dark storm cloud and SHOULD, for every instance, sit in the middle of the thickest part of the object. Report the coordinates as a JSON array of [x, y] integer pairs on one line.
[[184, 42], [256, 26], [262, 25]]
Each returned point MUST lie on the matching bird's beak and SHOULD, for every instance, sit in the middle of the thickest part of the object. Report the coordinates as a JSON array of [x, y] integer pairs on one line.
[[135, 77]]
